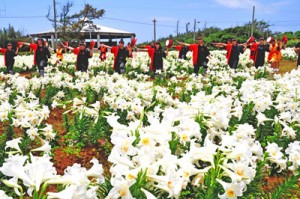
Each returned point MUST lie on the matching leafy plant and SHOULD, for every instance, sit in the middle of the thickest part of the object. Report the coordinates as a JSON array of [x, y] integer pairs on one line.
[[141, 181], [50, 92], [289, 187]]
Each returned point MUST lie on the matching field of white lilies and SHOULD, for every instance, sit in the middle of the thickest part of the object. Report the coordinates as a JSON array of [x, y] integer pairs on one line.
[[225, 134]]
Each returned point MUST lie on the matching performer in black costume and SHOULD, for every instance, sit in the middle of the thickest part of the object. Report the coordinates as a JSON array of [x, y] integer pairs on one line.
[[83, 55], [297, 50], [41, 54], [9, 57]]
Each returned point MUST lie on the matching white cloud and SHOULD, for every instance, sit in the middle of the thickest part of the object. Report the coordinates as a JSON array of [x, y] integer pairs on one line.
[[269, 6], [237, 3]]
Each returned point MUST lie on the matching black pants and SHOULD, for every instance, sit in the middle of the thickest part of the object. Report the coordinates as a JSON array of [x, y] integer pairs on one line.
[[10, 66], [82, 67], [234, 64], [260, 61], [120, 66], [41, 65], [156, 68], [257, 64], [197, 67]]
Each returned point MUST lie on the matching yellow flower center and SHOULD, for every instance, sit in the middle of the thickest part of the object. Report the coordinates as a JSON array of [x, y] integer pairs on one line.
[[145, 141], [170, 185], [122, 192], [186, 174], [185, 137], [131, 177], [230, 193], [240, 172], [125, 147], [274, 153]]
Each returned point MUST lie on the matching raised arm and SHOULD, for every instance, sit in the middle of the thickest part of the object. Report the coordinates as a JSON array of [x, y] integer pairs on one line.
[[141, 49], [17, 51], [182, 43], [219, 45], [51, 49], [68, 47], [106, 46], [244, 45], [26, 44]]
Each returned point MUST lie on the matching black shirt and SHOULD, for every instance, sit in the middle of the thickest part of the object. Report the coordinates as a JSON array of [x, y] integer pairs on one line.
[[235, 52], [42, 53], [10, 57], [261, 50], [83, 57], [158, 58], [122, 54], [203, 52], [183, 51]]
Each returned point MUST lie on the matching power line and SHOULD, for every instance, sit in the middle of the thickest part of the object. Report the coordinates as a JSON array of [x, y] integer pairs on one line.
[[164, 25], [16, 17], [137, 22]]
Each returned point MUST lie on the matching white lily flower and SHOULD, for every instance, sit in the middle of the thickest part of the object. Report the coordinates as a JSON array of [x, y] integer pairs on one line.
[[14, 167], [4, 196], [96, 171], [13, 144], [67, 193], [148, 194], [39, 170], [13, 182], [232, 190], [46, 147]]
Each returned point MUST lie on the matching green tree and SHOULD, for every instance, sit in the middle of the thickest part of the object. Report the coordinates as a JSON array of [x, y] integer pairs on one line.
[[69, 26], [297, 34], [9, 35]]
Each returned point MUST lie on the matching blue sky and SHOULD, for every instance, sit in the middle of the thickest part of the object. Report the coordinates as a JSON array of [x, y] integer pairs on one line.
[[137, 15]]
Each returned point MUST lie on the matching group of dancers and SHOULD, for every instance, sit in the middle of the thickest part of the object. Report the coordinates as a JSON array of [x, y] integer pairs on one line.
[[200, 53]]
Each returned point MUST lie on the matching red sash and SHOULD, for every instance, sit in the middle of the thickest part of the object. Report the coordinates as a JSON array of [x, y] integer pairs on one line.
[[228, 48], [194, 49], [253, 51], [76, 52], [115, 50], [92, 44], [3, 50], [151, 55], [178, 48], [34, 47]]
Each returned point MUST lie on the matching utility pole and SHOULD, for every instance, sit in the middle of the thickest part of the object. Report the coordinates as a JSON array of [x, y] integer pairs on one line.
[[195, 29], [252, 28], [177, 32], [187, 27], [154, 22], [55, 30]]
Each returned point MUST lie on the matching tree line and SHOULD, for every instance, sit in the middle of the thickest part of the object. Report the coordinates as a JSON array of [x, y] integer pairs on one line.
[[240, 33]]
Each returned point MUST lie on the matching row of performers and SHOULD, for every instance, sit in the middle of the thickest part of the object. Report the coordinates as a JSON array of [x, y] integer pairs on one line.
[[156, 53]]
